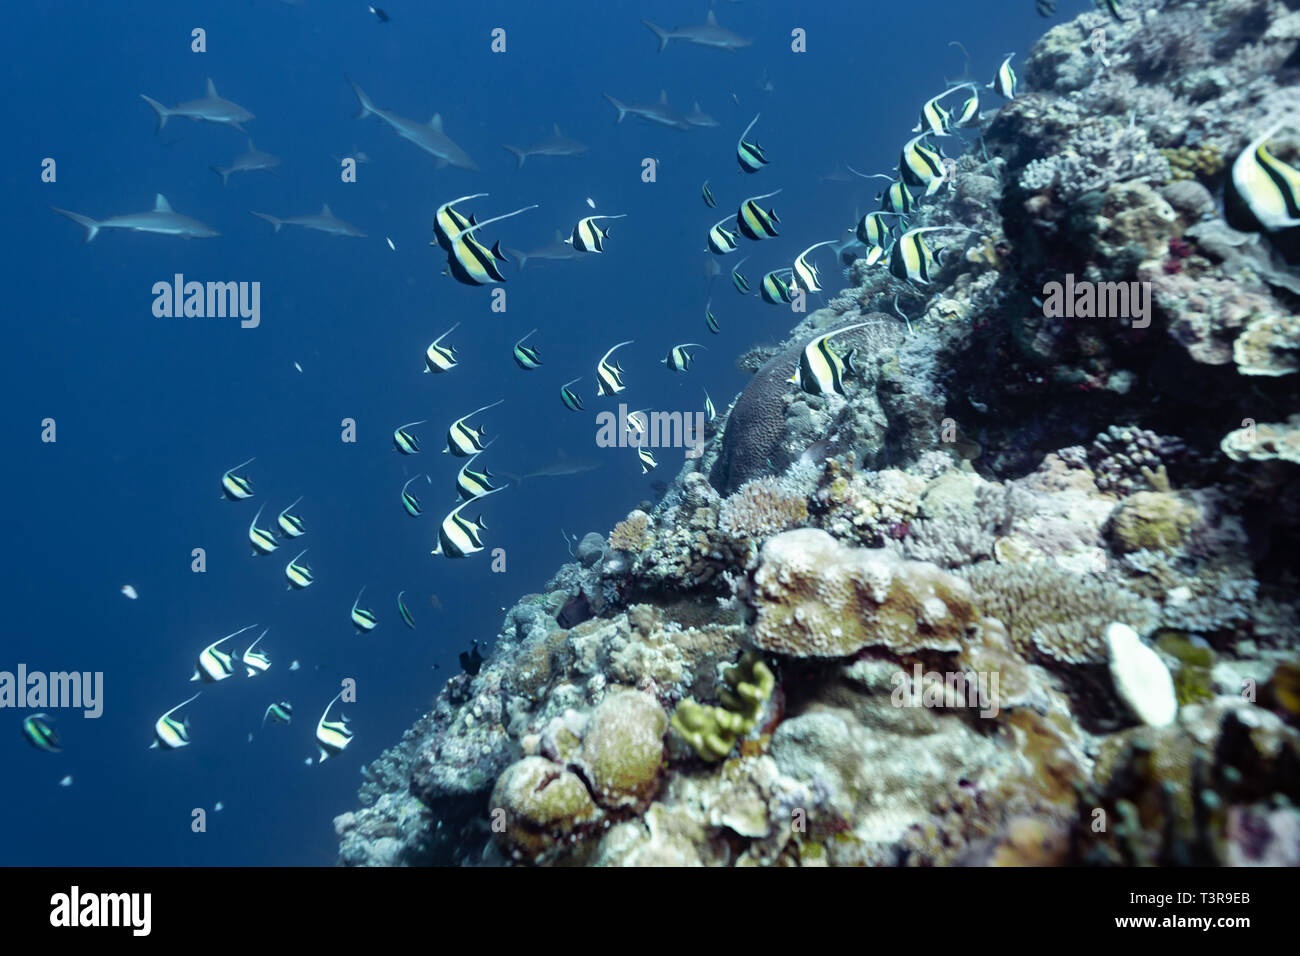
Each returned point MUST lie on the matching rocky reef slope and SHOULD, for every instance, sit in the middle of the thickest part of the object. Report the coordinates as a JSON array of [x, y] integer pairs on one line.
[[1026, 595]]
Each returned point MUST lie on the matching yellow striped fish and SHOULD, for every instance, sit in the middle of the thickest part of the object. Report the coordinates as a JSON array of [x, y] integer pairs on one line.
[[1004, 80], [363, 619], [447, 222], [214, 665], [298, 575], [472, 263], [804, 274], [753, 222], [439, 358], [263, 542], [170, 733], [751, 156], [254, 660], [332, 736], [1264, 189], [609, 378], [820, 370], [589, 237], [291, 526], [921, 166], [234, 487], [463, 441], [721, 241], [404, 441], [458, 537]]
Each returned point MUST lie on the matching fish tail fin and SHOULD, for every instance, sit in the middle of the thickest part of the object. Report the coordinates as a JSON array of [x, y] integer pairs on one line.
[[622, 110], [522, 257], [367, 107], [223, 173], [510, 479], [158, 108], [520, 155], [271, 219], [660, 32], [91, 226]]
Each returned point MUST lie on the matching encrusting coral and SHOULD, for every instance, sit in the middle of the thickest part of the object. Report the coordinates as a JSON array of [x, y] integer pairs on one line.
[[712, 731]]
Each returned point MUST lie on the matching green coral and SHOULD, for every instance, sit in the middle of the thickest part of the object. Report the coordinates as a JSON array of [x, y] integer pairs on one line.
[[712, 731], [1193, 678], [1193, 162], [1152, 521]]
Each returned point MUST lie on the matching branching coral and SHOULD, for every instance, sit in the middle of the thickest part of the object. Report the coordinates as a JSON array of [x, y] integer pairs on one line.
[[712, 731], [761, 507]]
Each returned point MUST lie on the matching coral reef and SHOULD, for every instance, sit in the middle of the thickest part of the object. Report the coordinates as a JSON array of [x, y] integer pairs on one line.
[[1023, 595]]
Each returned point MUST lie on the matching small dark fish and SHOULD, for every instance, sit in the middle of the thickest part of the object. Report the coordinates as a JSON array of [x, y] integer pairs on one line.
[[1045, 8], [378, 12], [471, 661]]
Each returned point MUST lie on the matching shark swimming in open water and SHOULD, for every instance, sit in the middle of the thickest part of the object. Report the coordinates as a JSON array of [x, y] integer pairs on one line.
[[555, 145], [429, 137], [558, 250], [324, 221], [660, 112], [161, 219], [561, 467], [698, 117], [212, 108], [250, 161], [706, 34]]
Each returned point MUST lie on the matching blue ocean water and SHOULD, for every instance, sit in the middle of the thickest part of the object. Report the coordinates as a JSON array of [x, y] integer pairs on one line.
[[150, 411]]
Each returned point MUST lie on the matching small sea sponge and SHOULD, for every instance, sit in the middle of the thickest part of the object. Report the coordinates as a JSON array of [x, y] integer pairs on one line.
[[816, 597], [545, 806], [631, 534], [712, 731], [623, 750], [1151, 521]]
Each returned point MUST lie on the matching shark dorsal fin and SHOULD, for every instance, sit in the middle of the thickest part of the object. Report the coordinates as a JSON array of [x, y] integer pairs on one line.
[[325, 210], [697, 108], [252, 150], [559, 235], [212, 89], [160, 204], [711, 20], [436, 122], [556, 127], [663, 97]]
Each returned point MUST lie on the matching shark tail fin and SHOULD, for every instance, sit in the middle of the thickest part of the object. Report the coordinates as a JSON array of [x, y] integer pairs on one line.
[[223, 173], [520, 155], [622, 110], [660, 32], [521, 257], [271, 219], [509, 478], [91, 227], [158, 108], [367, 107]]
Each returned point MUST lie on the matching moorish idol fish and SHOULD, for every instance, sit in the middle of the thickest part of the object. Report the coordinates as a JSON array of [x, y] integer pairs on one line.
[[934, 117], [363, 620], [1004, 80], [609, 378], [459, 537], [1263, 192], [525, 356], [281, 713], [404, 441], [589, 237], [911, 259], [214, 665], [439, 358], [708, 196], [872, 229], [332, 735], [710, 319], [773, 289], [570, 398], [805, 275], [404, 611], [40, 734], [678, 359], [738, 280], [969, 114], [169, 733], [233, 486], [256, 661], [710, 413], [463, 441], [720, 240], [750, 155], [470, 262], [820, 369], [921, 166], [409, 501], [291, 526], [447, 222], [753, 222], [472, 484], [263, 542], [648, 463], [298, 575], [1113, 7]]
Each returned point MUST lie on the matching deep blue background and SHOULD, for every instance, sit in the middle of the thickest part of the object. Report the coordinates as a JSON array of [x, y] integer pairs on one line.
[[151, 411]]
